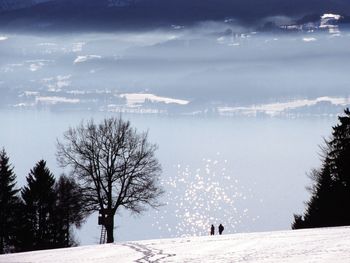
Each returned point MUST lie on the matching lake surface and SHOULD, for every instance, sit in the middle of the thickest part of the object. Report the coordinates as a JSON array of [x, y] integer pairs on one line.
[[247, 173]]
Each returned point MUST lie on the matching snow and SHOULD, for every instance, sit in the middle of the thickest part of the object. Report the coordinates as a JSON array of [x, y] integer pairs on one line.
[[327, 22], [139, 98], [31, 93], [57, 83], [54, 100], [177, 27], [321, 245], [309, 39], [81, 59], [34, 67], [273, 109], [78, 46], [37, 64], [47, 44], [331, 16]]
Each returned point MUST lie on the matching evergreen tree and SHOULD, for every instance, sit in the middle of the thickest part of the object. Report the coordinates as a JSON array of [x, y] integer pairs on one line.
[[69, 210], [8, 203], [39, 198], [329, 204]]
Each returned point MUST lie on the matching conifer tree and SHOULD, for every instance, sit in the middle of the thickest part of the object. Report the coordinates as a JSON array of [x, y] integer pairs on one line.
[[38, 209], [69, 210], [329, 204], [8, 203]]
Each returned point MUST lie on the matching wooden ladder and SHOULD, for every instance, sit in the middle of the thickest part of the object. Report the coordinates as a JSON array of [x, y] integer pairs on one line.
[[103, 235]]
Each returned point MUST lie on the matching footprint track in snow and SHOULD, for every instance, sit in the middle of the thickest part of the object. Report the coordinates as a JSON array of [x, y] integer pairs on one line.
[[150, 255]]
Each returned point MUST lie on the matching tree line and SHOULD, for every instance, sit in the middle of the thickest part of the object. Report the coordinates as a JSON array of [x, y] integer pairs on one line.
[[112, 167], [330, 192], [40, 215]]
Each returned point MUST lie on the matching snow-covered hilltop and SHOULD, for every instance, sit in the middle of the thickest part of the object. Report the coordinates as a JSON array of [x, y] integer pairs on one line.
[[310, 245], [325, 23]]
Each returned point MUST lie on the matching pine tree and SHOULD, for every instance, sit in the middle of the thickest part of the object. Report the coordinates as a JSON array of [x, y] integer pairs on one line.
[[69, 210], [329, 204], [8, 203], [38, 209]]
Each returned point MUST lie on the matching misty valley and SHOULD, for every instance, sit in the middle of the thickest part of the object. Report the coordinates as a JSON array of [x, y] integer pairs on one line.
[[211, 69], [238, 114]]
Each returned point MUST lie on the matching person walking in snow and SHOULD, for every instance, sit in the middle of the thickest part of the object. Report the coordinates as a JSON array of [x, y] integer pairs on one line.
[[212, 230], [221, 229]]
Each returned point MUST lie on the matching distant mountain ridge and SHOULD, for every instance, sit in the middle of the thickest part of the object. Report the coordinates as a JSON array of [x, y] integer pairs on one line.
[[124, 14], [7, 5]]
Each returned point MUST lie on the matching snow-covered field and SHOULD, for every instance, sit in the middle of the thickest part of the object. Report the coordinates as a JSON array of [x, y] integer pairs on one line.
[[327, 245]]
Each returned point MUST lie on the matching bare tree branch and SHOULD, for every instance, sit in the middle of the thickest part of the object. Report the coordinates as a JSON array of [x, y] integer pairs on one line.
[[115, 166]]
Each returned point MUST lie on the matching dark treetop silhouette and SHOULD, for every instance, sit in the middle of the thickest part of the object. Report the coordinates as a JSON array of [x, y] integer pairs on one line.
[[115, 166], [329, 204], [8, 200]]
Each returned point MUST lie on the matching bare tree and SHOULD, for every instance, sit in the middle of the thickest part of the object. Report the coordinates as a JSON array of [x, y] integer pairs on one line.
[[115, 166]]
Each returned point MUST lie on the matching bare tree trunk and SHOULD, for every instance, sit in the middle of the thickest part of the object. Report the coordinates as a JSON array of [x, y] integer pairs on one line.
[[2, 250], [110, 227], [67, 234], [115, 165]]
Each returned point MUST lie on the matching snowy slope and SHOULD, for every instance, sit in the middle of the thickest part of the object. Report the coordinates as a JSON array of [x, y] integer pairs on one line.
[[311, 245]]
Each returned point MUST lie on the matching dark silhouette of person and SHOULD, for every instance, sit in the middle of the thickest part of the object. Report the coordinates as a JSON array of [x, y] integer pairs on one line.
[[212, 230], [221, 229]]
